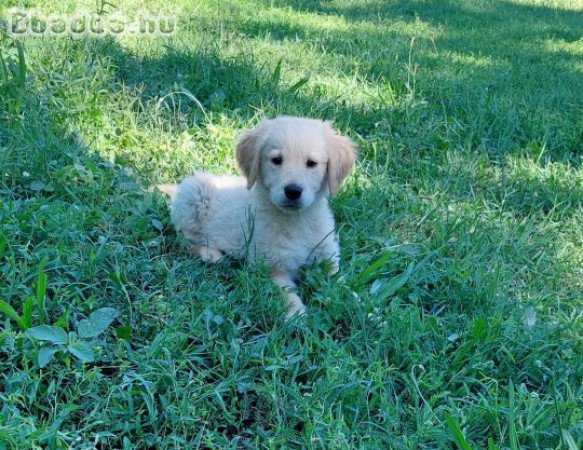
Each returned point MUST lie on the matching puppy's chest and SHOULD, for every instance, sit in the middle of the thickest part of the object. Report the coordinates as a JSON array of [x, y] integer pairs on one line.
[[294, 239]]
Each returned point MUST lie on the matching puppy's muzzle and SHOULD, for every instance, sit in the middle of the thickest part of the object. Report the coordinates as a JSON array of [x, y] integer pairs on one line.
[[293, 192]]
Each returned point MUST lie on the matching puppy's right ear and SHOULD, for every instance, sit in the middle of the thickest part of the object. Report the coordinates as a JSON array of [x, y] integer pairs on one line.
[[248, 152], [341, 159]]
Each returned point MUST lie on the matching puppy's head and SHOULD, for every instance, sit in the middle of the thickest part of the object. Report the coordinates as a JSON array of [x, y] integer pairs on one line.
[[295, 160]]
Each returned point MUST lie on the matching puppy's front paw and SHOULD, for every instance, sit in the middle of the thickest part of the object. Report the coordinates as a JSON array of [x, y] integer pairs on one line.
[[295, 306], [207, 254], [334, 268]]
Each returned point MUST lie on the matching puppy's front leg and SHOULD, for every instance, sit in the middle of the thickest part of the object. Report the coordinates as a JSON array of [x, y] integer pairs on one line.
[[294, 302], [207, 254]]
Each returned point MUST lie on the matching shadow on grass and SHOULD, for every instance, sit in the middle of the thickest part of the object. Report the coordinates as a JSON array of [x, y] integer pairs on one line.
[[204, 81], [499, 56], [70, 212], [505, 12]]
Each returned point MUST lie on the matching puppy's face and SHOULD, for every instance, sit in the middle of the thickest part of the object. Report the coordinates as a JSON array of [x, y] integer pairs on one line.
[[293, 166], [295, 160]]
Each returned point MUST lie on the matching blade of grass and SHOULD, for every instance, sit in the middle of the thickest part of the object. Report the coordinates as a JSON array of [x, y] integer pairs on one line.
[[396, 283], [276, 75], [3, 69], [41, 289], [568, 439], [27, 312], [21, 65], [372, 269], [3, 240], [9, 311], [475, 337], [511, 419], [296, 86], [457, 433], [492, 445]]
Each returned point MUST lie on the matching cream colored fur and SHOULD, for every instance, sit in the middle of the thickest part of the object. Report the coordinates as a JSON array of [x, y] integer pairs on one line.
[[279, 212]]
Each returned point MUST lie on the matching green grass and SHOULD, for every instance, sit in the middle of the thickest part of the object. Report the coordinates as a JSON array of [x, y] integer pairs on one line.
[[456, 319]]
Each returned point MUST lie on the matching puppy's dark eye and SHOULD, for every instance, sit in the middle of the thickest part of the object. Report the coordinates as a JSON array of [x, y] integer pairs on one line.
[[311, 163], [277, 160]]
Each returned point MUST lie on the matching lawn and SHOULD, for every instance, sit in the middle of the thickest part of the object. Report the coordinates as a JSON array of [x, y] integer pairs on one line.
[[456, 319]]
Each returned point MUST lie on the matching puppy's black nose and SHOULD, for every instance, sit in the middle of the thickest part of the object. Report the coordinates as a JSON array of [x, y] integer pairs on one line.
[[292, 191]]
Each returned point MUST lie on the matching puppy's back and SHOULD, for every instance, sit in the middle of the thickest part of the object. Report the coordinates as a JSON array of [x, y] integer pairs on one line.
[[210, 210]]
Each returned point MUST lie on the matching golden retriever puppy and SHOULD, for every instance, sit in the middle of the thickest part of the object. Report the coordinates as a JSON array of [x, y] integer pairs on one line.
[[279, 212]]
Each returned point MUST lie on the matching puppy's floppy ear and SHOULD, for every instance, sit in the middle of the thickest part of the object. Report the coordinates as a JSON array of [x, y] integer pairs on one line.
[[341, 156], [248, 155]]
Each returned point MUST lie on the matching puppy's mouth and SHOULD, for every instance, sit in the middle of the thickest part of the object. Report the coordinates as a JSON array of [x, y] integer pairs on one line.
[[290, 205]]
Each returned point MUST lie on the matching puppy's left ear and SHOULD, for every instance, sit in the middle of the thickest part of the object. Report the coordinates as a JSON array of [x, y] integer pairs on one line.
[[247, 152], [341, 156]]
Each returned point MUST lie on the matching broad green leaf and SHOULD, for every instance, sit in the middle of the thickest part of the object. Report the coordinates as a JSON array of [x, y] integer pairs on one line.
[[97, 322], [124, 332], [394, 284], [82, 350], [37, 186], [45, 355], [48, 333], [372, 269]]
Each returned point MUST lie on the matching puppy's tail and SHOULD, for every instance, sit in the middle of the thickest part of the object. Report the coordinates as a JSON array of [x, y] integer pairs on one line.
[[190, 201]]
